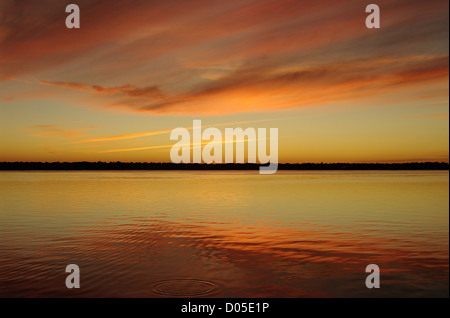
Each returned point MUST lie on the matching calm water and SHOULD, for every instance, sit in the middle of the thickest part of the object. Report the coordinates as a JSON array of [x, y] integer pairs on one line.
[[224, 234]]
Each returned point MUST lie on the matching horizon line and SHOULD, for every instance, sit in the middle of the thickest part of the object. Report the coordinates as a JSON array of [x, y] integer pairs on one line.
[[229, 163]]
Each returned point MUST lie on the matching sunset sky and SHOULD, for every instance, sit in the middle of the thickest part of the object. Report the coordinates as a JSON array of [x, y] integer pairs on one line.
[[337, 91]]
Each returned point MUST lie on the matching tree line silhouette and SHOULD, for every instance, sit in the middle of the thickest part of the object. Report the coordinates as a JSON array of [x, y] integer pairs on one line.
[[230, 166]]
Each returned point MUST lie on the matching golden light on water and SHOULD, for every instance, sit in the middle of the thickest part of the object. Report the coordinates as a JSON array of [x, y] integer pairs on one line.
[[297, 234]]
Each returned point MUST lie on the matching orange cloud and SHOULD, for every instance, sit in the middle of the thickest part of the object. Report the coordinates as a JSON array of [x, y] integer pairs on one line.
[[127, 90], [221, 57], [263, 88], [191, 145], [159, 132], [54, 131], [126, 136], [7, 77]]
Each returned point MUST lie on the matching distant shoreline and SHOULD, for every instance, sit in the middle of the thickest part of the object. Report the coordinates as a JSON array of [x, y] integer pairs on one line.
[[111, 166]]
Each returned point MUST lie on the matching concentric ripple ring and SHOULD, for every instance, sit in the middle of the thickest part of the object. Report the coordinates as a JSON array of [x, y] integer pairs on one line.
[[184, 287]]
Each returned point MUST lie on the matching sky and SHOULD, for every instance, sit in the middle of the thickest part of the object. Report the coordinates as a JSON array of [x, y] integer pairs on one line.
[[115, 88]]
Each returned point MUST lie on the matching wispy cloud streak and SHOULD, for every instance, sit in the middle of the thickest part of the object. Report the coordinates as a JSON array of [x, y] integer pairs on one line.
[[221, 57], [160, 132]]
